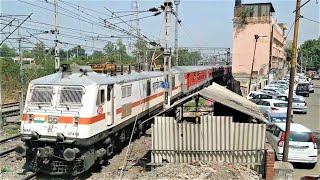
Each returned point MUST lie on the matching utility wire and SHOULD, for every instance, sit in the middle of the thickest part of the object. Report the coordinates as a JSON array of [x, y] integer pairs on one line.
[[186, 30], [310, 19], [15, 29], [71, 4], [137, 30]]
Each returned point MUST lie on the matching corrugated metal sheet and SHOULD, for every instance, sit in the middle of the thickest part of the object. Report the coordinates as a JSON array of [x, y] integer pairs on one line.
[[228, 98], [215, 138]]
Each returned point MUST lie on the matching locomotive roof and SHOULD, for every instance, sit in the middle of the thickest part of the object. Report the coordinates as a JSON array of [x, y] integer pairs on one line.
[[77, 78]]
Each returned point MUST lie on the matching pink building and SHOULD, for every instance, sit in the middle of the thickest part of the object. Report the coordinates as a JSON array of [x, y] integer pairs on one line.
[[257, 19]]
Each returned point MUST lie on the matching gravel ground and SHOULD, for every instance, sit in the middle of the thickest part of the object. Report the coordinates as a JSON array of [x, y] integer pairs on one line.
[[138, 149], [200, 170], [10, 166]]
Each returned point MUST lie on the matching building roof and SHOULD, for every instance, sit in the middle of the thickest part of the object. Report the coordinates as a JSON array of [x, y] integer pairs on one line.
[[257, 4], [228, 98]]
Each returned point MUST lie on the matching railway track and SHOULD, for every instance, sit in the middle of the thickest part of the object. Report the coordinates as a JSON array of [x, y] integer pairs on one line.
[[11, 109], [12, 145]]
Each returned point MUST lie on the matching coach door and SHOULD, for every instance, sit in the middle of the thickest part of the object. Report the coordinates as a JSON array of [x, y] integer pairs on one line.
[[110, 105]]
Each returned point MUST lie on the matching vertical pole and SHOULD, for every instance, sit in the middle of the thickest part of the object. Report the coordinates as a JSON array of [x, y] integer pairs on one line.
[[176, 63], [254, 53], [270, 52], [292, 74], [301, 59], [56, 32], [167, 53], [21, 79], [1, 119]]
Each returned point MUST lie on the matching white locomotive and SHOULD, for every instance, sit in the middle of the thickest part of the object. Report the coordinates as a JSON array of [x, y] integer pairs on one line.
[[75, 118]]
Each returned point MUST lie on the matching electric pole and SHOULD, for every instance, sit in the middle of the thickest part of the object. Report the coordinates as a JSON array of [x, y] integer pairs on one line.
[[1, 119], [21, 75], [291, 86], [56, 32], [270, 53], [256, 37], [176, 63], [167, 54]]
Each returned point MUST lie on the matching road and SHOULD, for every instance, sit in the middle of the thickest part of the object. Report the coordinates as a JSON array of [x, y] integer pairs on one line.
[[312, 121]]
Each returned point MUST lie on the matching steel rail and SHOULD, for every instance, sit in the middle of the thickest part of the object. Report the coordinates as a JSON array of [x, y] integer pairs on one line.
[[9, 138]]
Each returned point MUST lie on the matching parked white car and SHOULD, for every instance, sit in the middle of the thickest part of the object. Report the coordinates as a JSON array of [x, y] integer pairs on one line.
[[273, 109], [253, 94], [278, 90], [299, 103], [302, 143]]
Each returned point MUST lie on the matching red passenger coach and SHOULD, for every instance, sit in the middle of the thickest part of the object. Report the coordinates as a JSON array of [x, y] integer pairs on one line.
[[195, 79]]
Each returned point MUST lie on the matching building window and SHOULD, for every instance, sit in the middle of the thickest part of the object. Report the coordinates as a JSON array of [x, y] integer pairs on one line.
[[126, 91]]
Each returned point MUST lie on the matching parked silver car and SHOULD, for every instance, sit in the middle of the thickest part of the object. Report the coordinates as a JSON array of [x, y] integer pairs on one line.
[[299, 104]]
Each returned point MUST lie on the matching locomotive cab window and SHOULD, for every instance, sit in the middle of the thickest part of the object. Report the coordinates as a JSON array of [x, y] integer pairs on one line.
[[100, 97], [70, 96], [41, 95]]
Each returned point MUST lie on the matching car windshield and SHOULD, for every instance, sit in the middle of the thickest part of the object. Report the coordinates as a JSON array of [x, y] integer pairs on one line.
[[283, 98], [280, 104], [298, 100], [300, 136], [278, 119], [302, 87]]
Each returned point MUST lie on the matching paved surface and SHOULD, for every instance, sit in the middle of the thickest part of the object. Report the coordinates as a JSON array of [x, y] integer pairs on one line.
[[312, 121]]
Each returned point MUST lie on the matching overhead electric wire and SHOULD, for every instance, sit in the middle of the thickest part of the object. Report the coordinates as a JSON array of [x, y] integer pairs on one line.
[[105, 20], [185, 29], [309, 19], [61, 27], [65, 2], [115, 28], [9, 24], [137, 30]]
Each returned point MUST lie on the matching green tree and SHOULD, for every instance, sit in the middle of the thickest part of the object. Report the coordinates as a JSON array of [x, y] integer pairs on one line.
[[311, 50], [78, 52], [39, 52], [109, 48], [27, 54], [5, 51]]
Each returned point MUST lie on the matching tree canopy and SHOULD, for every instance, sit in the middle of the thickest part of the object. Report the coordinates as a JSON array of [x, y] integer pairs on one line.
[[310, 49]]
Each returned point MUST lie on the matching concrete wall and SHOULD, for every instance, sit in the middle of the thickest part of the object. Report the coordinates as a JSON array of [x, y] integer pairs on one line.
[[243, 48]]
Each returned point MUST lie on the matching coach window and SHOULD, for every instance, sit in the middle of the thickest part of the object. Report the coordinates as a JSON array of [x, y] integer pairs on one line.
[[148, 87], [100, 98]]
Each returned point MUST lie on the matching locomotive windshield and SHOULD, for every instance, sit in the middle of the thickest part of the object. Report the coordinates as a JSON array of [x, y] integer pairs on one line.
[[41, 95], [70, 96]]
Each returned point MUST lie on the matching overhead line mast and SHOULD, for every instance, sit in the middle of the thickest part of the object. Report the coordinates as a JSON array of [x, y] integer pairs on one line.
[[56, 32], [167, 54]]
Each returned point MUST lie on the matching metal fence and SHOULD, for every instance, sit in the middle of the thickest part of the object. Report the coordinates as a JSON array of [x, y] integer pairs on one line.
[[216, 138]]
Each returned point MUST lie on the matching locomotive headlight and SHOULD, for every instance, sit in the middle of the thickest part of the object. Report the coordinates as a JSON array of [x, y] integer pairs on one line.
[[76, 120]]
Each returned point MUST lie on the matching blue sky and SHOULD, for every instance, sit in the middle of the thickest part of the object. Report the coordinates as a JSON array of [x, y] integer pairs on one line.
[[208, 21]]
